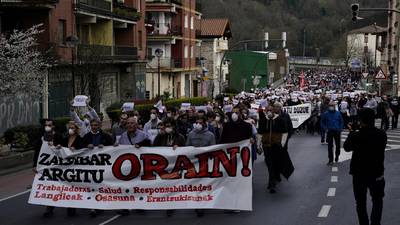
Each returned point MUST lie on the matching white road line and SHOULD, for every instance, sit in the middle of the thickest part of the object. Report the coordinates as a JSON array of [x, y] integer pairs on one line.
[[331, 192], [334, 179], [13, 196], [110, 220], [324, 211], [335, 169]]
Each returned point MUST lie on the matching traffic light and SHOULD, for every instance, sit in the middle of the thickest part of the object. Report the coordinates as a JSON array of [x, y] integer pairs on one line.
[[355, 8], [395, 79]]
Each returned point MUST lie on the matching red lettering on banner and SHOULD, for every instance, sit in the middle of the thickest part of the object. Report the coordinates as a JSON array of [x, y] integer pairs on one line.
[[135, 167], [153, 163], [184, 163], [230, 165]]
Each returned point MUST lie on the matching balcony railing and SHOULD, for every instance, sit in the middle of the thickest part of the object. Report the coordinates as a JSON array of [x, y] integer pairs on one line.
[[29, 3], [199, 6], [102, 52], [124, 12], [178, 2], [166, 63], [94, 6], [165, 29]]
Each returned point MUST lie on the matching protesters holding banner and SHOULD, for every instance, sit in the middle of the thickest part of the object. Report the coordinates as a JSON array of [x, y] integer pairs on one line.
[[332, 121], [183, 125], [200, 136], [49, 135], [274, 137], [84, 125], [134, 136], [119, 128], [169, 138], [367, 166], [72, 141], [96, 137]]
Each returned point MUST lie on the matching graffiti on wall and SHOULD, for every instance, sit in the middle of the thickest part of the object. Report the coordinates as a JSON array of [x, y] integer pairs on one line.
[[16, 111]]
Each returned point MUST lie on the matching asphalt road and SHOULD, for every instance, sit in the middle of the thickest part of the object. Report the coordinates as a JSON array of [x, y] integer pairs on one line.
[[315, 195]]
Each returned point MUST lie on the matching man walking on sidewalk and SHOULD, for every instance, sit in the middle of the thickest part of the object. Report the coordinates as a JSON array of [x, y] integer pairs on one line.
[[367, 167], [332, 121]]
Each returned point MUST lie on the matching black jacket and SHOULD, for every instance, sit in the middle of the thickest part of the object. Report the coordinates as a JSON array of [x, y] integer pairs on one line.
[[105, 139], [163, 140], [368, 147], [63, 141], [233, 132]]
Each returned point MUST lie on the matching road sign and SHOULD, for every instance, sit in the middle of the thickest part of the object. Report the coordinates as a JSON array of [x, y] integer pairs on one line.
[[380, 75], [365, 75]]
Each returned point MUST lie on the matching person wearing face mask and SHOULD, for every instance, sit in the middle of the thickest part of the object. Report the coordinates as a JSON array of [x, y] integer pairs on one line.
[[236, 129], [72, 141], [332, 121], [218, 125], [96, 137], [200, 136], [274, 133], [169, 137], [151, 127]]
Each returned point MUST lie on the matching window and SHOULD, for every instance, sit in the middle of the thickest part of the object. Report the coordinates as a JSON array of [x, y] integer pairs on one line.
[[186, 21], [140, 40], [186, 51], [191, 51], [191, 22], [62, 32]]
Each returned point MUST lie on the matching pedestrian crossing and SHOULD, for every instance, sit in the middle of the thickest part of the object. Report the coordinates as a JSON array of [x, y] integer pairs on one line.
[[393, 143]]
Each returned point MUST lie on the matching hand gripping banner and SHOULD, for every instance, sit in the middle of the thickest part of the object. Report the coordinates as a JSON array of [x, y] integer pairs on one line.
[[123, 177]]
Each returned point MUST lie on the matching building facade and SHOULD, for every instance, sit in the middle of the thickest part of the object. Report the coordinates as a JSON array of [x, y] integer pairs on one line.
[[210, 55], [171, 33], [108, 59]]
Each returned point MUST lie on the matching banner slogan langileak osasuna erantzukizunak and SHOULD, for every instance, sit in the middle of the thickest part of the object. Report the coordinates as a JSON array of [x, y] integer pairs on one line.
[[125, 177]]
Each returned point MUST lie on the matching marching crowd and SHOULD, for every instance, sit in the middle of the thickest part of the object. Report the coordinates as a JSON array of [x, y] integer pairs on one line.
[[334, 96]]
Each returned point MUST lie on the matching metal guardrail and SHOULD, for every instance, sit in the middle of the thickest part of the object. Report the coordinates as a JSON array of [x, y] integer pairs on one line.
[[165, 29], [103, 7], [103, 52]]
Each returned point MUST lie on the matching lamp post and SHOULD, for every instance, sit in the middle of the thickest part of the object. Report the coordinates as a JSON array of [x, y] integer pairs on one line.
[[71, 42], [159, 53]]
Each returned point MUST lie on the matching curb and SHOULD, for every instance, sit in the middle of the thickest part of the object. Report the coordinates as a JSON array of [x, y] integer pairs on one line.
[[17, 162]]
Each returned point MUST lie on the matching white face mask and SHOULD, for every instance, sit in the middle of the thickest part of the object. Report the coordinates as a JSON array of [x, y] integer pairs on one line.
[[168, 130], [331, 108], [225, 120], [217, 118], [198, 126], [153, 116], [235, 117], [169, 115], [47, 128], [71, 131]]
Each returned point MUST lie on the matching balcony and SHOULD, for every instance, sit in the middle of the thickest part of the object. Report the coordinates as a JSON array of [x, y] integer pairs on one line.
[[94, 6], [102, 7], [165, 29], [123, 12], [177, 2], [100, 53], [166, 63], [28, 3]]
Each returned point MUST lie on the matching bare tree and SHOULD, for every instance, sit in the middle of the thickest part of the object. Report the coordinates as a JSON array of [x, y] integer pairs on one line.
[[22, 66]]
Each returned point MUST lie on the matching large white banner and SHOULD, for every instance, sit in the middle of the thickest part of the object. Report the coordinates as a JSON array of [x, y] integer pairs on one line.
[[298, 113], [215, 177]]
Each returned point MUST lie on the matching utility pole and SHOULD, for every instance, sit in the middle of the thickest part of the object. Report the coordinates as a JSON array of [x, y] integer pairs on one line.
[[304, 42]]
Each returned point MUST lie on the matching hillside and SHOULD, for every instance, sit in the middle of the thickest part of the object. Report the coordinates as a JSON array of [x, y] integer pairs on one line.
[[325, 21]]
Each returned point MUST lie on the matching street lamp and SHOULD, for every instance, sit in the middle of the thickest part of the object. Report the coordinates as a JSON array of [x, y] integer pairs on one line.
[[71, 42], [159, 53]]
